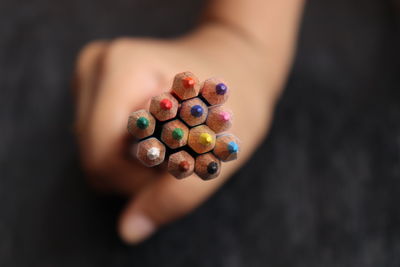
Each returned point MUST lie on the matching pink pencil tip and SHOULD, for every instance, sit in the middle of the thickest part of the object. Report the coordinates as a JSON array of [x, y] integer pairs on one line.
[[225, 116]]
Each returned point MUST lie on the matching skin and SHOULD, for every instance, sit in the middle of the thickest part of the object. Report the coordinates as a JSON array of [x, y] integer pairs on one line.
[[249, 43]]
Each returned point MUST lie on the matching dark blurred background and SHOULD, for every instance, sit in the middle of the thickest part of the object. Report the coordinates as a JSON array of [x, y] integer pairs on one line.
[[323, 189]]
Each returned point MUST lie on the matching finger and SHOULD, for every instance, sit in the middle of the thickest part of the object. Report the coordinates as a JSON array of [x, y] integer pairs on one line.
[[87, 73], [164, 201]]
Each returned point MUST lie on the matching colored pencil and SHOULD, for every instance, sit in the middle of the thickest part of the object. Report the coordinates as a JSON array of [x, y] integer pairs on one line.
[[164, 107], [193, 111], [181, 164], [215, 91], [180, 129], [201, 139], [219, 119], [226, 147], [174, 134], [141, 124], [207, 166], [150, 152], [186, 85]]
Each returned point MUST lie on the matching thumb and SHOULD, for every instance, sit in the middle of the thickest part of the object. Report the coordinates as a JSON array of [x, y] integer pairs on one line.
[[164, 201]]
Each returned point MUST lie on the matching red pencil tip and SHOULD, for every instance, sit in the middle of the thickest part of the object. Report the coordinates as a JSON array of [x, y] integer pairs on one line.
[[166, 104]]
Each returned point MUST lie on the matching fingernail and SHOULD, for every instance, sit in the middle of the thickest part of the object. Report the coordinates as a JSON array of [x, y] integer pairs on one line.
[[137, 228]]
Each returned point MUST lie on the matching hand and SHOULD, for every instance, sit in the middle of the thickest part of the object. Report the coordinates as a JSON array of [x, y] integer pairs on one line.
[[118, 77]]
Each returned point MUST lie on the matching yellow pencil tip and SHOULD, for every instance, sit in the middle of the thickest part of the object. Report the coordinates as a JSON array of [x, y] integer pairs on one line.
[[205, 139]]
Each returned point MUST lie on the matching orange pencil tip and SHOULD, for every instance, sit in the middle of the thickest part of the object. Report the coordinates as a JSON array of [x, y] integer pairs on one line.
[[188, 82]]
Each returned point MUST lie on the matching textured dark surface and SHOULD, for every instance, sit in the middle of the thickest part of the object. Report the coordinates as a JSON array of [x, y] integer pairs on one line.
[[323, 190]]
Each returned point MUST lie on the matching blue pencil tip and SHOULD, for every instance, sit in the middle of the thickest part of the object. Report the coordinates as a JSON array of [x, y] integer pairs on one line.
[[233, 147]]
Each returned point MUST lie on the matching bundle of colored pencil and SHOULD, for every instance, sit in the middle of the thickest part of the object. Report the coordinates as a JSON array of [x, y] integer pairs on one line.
[[184, 129]]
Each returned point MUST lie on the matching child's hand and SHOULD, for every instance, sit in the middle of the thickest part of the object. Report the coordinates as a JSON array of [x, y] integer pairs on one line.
[[116, 78]]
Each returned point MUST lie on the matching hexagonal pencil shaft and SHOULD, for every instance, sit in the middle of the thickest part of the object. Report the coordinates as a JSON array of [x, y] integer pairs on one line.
[[181, 164], [141, 124], [207, 166], [201, 139], [174, 134], [214, 91], [219, 119], [186, 85], [164, 107], [193, 111], [226, 147], [150, 152]]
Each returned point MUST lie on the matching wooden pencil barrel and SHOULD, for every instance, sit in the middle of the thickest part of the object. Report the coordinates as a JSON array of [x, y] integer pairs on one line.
[[150, 152], [201, 139], [226, 147], [215, 91], [164, 107], [141, 124], [193, 111], [174, 134], [186, 85], [207, 166], [219, 119], [181, 164]]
